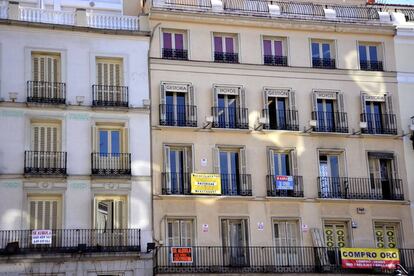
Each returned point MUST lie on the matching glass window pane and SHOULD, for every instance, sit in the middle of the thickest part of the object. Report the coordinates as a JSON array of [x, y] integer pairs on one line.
[[229, 45], [285, 164], [103, 141], [276, 162], [334, 163], [167, 40], [173, 161], [326, 50], [179, 41], [315, 50], [278, 48], [267, 47], [223, 163], [234, 162], [221, 100], [218, 47], [115, 141], [373, 56], [169, 97], [362, 53]]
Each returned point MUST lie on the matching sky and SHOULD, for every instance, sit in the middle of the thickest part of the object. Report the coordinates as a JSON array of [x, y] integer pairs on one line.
[[405, 2]]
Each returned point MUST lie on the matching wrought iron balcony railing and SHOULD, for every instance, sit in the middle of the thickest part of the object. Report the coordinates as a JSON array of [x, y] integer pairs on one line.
[[360, 188], [173, 183], [256, 6], [275, 60], [46, 92], [274, 189], [72, 241], [110, 95], [45, 162], [230, 117], [296, 8], [409, 13], [178, 54], [281, 119], [178, 115], [226, 57], [236, 184], [379, 123], [355, 12], [111, 164], [370, 65], [330, 121], [190, 3], [324, 63]]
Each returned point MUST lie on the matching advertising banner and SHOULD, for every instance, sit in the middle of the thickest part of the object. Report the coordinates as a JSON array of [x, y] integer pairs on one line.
[[204, 183], [284, 182], [41, 236], [370, 257], [181, 255]]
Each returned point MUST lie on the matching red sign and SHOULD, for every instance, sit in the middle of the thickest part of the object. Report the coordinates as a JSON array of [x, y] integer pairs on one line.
[[368, 264], [181, 255]]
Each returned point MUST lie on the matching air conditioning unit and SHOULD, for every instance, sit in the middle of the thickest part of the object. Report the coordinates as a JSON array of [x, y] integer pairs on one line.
[[209, 119], [313, 123], [363, 125]]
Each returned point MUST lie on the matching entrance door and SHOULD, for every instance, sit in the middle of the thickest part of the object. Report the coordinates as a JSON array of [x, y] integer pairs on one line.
[[235, 242]]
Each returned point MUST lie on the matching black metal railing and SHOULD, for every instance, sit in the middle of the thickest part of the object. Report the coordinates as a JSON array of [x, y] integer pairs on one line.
[[370, 65], [279, 190], [355, 12], [45, 162], [407, 258], [295, 8], [236, 184], [178, 115], [46, 92], [230, 117], [379, 123], [259, 6], [226, 57], [178, 54], [330, 121], [409, 14], [360, 188], [275, 60], [72, 241], [281, 119], [324, 63], [111, 164], [173, 183], [190, 3], [110, 95]]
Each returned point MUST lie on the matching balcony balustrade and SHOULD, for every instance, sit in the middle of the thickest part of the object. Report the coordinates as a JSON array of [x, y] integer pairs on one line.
[[173, 183], [379, 123], [178, 115], [275, 60], [256, 6], [230, 117], [273, 190], [190, 3], [110, 95], [46, 92], [323, 63], [281, 119], [177, 54], [224, 57], [45, 163], [111, 164], [72, 241], [360, 188], [355, 12], [370, 65], [330, 121]]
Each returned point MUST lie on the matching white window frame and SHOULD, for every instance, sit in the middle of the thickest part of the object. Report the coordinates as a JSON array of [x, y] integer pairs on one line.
[[181, 219]]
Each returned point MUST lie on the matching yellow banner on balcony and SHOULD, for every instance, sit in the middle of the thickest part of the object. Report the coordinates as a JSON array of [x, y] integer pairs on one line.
[[205, 183], [370, 257]]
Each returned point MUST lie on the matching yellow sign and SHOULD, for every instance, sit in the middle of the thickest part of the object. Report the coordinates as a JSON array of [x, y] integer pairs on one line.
[[377, 254], [203, 183]]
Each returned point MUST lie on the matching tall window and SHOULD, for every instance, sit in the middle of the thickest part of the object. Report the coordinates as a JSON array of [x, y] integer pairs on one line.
[[370, 56], [336, 234], [108, 89], [178, 167], [387, 234], [225, 48], [46, 137], [174, 44], [286, 232], [280, 109], [46, 67], [274, 51], [180, 232], [234, 234], [229, 108], [330, 174], [377, 112], [110, 213], [109, 141], [323, 54], [45, 212], [328, 111]]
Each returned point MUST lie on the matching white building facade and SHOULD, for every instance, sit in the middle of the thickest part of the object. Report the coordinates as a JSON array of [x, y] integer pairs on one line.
[[75, 142]]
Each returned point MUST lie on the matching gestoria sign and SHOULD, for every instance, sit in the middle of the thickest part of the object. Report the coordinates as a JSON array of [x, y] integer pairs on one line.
[[204, 183], [370, 257]]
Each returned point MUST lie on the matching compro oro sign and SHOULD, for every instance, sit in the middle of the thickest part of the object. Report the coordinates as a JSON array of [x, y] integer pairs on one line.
[[207, 184], [369, 257], [181, 255], [41, 236]]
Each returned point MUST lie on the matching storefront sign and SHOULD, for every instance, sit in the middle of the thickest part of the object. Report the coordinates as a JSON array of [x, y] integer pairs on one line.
[[181, 255], [369, 258], [42, 237], [203, 183], [284, 182]]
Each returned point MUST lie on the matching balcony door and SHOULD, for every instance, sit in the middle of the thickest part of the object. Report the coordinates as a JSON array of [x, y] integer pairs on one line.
[[235, 242], [329, 173], [374, 111], [286, 238], [325, 116], [230, 171], [45, 145], [45, 75], [176, 105], [278, 107], [177, 169], [382, 174], [227, 110], [180, 232], [109, 79], [109, 142], [336, 236], [387, 234]]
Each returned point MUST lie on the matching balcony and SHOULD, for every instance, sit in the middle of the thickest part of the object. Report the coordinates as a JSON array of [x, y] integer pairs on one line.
[[355, 12], [177, 54], [324, 63], [178, 115], [360, 188], [330, 121], [236, 184], [189, 3], [409, 14], [226, 57], [379, 123], [173, 183], [45, 163], [72, 241], [46, 92], [275, 60], [230, 117], [252, 6], [109, 96], [111, 164], [274, 191], [281, 119], [370, 65]]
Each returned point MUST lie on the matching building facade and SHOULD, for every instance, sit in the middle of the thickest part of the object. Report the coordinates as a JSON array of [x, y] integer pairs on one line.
[[75, 179], [296, 107]]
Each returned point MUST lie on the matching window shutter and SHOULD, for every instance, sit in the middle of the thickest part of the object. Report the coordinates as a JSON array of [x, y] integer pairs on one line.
[[294, 158], [125, 140], [118, 212], [99, 73], [292, 233], [225, 232], [215, 103], [190, 101], [265, 99], [243, 116], [388, 101], [187, 159], [363, 103], [314, 102], [43, 214], [216, 160], [94, 140], [271, 161], [96, 224], [32, 212], [243, 167], [186, 232], [35, 68], [175, 233], [292, 107], [167, 167], [109, 71], [163, 101], [341, 103], [35, 138]]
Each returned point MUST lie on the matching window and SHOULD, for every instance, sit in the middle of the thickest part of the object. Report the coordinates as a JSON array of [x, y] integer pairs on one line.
[[174, 45], [234, 234], [286, 232], [45, 212], [110, 213], [45, 137], [177, 169], [274, 51], [323, 55], [370, 56], [180, 232], [46, 67], [336, 234], [177, 105], [279, 109], [229, 107], [377, 112], [225, 48], [387, 234], [331, 171], [328, 112]]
